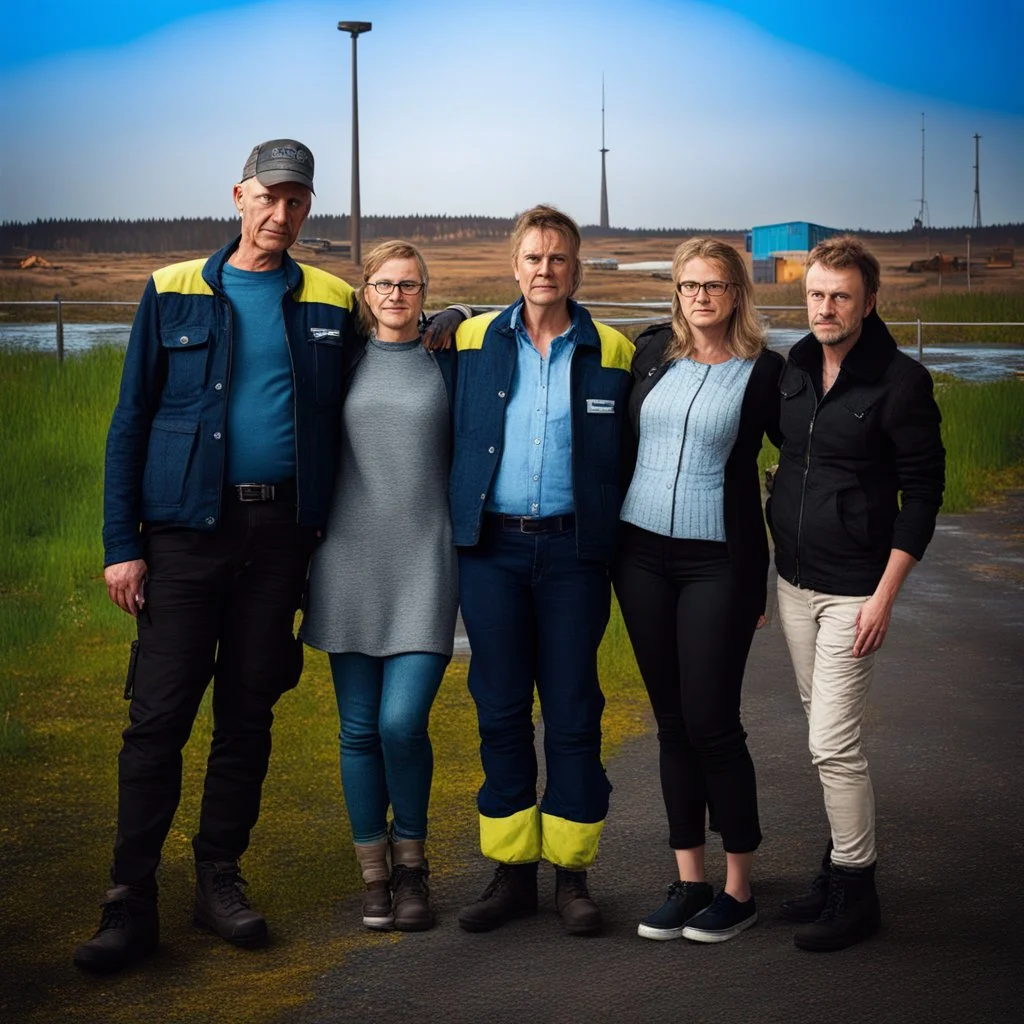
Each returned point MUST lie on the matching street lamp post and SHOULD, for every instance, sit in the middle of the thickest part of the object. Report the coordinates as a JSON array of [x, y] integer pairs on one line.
[[355, 29]]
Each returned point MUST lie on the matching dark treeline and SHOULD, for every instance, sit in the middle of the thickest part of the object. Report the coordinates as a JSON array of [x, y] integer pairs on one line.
[[204, 234], [208, 233]]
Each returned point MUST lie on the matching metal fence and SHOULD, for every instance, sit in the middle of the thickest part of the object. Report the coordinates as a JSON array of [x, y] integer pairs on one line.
[[662, 307]]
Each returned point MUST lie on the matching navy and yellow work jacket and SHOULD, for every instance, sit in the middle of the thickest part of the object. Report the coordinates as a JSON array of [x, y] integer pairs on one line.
[[166, 445], [599, 381]]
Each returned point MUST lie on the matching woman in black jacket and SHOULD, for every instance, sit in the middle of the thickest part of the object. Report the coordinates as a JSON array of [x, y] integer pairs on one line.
[[691, 578]]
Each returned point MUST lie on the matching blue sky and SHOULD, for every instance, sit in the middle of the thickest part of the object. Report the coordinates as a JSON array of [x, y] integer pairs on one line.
[[718, 114]]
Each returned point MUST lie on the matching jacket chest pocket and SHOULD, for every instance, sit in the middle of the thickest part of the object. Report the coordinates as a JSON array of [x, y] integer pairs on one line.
[[188, 351], [852, 426], [328, 365]]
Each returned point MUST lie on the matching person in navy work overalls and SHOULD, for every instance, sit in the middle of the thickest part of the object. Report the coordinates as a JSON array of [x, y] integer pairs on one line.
[[535, 494]]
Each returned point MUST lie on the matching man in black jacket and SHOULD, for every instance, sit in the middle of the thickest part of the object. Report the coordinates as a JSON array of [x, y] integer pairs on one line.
[[852, 509]]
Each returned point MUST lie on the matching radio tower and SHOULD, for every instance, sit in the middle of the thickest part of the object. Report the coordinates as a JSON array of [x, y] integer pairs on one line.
[[976, 217], [604, 178], [921, 219]]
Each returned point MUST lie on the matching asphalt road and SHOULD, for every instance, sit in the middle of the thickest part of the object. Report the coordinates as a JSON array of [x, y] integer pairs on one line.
[[944, 731]]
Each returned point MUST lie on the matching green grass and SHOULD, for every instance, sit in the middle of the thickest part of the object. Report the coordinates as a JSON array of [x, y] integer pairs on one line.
[[959, 307]]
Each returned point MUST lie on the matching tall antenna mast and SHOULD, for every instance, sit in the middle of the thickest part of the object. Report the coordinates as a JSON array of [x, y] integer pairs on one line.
[[976, 217], [922, 214], [604, 178]]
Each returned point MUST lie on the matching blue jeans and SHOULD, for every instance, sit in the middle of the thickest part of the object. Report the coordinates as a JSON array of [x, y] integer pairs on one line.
[[386, 757]]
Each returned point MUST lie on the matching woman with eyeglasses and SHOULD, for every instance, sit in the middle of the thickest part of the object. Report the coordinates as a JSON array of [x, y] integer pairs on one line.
[[383, 589], [692, 572]]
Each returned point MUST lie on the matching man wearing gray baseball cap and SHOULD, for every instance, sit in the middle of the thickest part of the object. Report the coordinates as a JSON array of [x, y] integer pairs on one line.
[[220, 465]]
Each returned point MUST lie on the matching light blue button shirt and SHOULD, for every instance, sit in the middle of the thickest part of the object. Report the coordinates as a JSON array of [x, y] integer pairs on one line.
[[534, 475]]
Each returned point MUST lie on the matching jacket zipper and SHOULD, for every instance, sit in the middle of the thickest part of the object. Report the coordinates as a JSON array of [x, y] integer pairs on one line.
[[807, 469], [227, 398]]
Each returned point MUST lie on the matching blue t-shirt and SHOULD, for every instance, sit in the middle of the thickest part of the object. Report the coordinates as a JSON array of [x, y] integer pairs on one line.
[[261, 403]]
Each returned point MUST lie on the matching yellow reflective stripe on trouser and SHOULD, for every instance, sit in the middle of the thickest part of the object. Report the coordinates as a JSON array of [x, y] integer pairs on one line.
[[569, 844], [512, 840]]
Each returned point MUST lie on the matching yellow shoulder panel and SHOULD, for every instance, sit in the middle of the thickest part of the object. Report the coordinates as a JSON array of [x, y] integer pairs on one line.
[[471, 332], [319, 286], [616, 349], [183, 278]]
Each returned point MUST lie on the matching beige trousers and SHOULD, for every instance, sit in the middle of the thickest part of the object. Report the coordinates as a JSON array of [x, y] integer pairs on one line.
[[833, 684]]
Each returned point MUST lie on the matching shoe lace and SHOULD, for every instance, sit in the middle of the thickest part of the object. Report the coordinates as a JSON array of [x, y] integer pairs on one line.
[[573, 884], [229, 886], [835, 902], [115, 915], [679, 890], [409, 881], [499, 881]]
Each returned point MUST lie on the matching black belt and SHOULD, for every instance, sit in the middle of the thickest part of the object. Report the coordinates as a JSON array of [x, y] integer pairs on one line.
[[283, 491], [524, 524]]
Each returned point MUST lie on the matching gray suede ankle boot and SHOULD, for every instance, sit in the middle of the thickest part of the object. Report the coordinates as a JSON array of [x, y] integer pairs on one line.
[[373, 862], [410, 894]]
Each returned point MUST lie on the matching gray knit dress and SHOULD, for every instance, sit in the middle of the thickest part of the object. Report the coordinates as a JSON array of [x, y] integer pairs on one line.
[[384, 580]]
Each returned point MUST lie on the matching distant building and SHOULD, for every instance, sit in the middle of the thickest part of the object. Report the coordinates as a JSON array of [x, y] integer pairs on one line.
[[777, 251]]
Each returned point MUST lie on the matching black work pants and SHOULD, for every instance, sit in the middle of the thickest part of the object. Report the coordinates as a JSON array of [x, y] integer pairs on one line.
[[691, 624], [219, 605]]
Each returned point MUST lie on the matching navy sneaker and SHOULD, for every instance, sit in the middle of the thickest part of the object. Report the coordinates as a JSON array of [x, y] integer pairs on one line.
[[724, 919], [683, 901]]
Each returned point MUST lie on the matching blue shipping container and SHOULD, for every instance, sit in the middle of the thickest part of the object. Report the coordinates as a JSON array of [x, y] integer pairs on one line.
[[793, 236]]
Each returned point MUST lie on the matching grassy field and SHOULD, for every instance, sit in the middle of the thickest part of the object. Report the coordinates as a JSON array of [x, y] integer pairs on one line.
[[63, 649]]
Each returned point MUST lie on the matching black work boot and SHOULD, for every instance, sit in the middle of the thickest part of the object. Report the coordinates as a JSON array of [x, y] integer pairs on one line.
[[580, 914], [410, 895], [129, 930], [851, 912], [222, 906], [511, 893], [807, 908]]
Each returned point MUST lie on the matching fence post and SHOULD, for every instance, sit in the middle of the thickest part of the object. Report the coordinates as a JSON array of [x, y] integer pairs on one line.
[[920, 345], [60, 331]]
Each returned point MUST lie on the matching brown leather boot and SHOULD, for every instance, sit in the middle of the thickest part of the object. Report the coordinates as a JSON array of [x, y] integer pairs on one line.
[[511, 893], [580, 914], [129, 930], [222, 906], [410, 895], [373, 863]]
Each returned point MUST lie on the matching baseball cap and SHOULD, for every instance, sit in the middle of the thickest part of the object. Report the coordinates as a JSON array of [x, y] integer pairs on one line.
[[280, 160]]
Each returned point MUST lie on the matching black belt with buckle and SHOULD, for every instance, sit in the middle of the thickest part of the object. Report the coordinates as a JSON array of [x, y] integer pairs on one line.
[[283, 491], [524, 524]]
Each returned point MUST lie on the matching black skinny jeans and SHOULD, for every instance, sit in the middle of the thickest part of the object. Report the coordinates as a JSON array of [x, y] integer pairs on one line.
[[219, 604], [691, 624]]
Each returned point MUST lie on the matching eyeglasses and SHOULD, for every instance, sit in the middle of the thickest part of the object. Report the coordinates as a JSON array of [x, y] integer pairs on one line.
[[713, 288], [405, 287]]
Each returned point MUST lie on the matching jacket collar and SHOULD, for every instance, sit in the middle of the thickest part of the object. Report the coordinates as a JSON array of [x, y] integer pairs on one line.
[[213, 269], [585, 332], [867, 360]]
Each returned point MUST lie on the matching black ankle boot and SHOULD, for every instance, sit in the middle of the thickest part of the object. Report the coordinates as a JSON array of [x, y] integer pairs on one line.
[[511, 893], [807, 908], [580, 914], [851, 912], [129, 930], [221, 904]]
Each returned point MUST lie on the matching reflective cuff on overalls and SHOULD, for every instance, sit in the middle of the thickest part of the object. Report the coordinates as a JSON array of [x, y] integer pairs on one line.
[[512, 840], [569, 844]]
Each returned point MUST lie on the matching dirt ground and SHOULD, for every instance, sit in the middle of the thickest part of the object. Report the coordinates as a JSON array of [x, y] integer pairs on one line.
[[478, 271]]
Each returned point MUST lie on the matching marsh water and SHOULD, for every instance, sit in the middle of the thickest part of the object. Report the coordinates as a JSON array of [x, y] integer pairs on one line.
[[974, 362]]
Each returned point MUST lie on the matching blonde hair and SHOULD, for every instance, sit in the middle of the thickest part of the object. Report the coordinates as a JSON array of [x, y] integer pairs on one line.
[[745, 338], [547, 218], [843, 251], [396, 250]]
